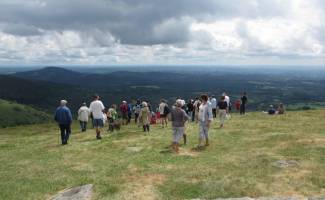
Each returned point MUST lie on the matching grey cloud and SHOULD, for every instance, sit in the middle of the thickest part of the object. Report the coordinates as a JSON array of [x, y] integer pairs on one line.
[[128, 21]]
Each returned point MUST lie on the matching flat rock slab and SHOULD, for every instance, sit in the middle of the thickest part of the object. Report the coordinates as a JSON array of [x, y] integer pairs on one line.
[[283, 164], [77, 193]]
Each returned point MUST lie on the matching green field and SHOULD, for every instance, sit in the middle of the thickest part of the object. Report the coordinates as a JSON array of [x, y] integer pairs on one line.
[[130, 165]]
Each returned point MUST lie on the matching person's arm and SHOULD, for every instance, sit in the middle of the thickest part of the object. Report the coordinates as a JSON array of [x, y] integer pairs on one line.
[[69, 116]]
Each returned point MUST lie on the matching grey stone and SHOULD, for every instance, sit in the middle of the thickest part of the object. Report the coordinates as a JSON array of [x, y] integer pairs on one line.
[[316, 198], [285, 164], [77, 193]]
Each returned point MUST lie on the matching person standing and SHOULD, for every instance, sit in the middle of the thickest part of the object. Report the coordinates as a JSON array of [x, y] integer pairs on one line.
[[214, 106], [96, 109], [162, 111], [205, 117], [178, 117], [63, 117], [83, 117], [136, 110], [111, 116], [144, 117], [124, 112], [196, 105], [190, 109], [222, 105], [243, 103]]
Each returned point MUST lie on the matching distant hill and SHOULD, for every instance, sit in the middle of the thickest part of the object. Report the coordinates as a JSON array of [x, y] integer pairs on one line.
[[41, 94], [44, 87], [13, 114]]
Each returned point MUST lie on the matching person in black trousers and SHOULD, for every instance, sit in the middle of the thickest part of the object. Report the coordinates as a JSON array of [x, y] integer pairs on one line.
[[63, 117], [243, 103]]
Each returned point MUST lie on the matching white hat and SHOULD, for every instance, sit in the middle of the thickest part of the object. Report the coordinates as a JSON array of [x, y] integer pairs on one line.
[[124, 102], [63, 102]]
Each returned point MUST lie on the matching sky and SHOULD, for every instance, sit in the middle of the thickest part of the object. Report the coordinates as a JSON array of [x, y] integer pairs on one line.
[[162, 32]]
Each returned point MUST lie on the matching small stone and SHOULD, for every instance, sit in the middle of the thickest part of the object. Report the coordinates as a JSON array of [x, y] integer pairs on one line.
[[286, 164], [77, 193]]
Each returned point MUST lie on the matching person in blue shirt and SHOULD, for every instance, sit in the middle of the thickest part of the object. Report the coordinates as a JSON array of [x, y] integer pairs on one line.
[[63, 117]]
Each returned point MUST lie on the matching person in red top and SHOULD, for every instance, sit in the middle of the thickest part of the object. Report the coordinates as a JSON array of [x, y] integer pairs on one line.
[[237, 104], [124, 112]]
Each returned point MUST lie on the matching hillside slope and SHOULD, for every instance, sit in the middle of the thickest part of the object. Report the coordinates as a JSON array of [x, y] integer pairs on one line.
[[239, 162], [13, 114]]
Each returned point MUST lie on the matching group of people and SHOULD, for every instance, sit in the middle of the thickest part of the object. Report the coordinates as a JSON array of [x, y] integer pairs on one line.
[[201, 110]]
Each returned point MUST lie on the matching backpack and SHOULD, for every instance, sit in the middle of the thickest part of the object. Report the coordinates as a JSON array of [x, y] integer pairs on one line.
[[166, 110]]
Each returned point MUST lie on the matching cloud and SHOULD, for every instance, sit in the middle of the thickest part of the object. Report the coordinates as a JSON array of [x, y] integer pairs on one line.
[[160, 31]]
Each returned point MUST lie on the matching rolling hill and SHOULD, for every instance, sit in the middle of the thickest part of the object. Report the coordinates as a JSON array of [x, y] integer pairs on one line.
[[13, 114]]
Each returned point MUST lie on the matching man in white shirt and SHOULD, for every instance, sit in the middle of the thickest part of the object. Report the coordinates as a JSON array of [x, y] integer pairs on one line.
[[83, 116], [96, 109], [205, 118], [214, 106]]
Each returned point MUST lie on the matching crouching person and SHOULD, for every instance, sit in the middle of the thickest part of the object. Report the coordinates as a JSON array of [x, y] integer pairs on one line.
[[178, 117], [64, 118], [205, 117]]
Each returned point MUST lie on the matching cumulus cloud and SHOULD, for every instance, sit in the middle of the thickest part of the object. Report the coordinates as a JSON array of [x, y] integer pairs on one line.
[[160, 31]]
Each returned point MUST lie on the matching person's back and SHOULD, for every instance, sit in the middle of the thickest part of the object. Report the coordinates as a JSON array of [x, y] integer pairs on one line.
[[222, 104], [63, 115], [83, 113], [124, 108], [178, 117], [162, 108], [96, 108]]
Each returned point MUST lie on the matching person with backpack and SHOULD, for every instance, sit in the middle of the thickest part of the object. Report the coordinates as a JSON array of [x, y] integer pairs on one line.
[[96, 109], [124, 112], [83, 117], [63, 117], [178, 118]]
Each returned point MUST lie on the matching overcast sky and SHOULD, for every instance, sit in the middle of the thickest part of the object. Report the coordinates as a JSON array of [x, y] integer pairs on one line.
[[214, 32]]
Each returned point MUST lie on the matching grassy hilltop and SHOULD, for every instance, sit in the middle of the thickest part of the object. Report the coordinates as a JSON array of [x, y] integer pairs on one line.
[[130, 165], [13, 114]]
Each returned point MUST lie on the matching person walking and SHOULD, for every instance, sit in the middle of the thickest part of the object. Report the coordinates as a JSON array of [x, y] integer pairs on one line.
[[83, 117], [111, 117], [222, 106], [190, 109], [205, 117], [144, 117], [124, 112], [243, 103], [214, 106], [196, 105], [63, 117], [178, 118], [96, 109]]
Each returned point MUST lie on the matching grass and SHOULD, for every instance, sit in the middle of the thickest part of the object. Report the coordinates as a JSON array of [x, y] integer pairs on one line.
[[130, 165]]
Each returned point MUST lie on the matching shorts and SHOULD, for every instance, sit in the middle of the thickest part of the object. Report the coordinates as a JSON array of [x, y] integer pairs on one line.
[[162, 115], [98, 122]]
